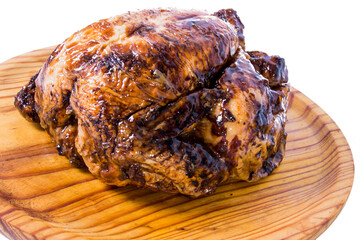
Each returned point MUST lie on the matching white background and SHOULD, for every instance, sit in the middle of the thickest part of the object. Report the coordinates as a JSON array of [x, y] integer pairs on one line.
[[318, 39]]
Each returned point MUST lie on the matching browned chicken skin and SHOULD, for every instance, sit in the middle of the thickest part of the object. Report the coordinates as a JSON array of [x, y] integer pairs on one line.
[[164, 99]]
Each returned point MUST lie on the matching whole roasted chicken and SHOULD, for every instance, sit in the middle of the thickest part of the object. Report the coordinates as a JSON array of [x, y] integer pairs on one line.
[[164, 99]]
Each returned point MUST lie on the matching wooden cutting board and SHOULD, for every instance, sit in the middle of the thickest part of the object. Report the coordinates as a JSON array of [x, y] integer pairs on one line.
[[42, 196]]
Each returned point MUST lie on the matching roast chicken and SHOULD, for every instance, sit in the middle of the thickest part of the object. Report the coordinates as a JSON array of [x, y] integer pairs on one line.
[[164, 99]]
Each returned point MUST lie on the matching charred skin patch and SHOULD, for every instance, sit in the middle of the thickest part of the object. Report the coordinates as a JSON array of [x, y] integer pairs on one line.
[[261, 117], [139, 29], [272, 68], [25, 100]]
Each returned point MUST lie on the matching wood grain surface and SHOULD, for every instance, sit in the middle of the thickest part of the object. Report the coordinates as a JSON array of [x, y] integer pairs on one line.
[[42, 196]]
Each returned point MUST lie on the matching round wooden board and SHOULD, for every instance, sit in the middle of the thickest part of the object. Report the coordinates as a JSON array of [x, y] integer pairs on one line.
[[42, 196]]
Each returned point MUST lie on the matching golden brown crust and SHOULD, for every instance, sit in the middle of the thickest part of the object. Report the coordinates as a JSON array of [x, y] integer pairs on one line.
[[165, 99]]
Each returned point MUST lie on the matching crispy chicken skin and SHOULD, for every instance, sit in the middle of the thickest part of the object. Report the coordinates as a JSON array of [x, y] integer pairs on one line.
[[164, 99]]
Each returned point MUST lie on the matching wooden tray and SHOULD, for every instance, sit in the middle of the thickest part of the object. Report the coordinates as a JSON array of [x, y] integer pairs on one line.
[[42, 196]]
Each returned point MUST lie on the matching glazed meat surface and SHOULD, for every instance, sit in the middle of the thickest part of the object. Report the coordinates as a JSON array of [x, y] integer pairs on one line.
[[164, 99]]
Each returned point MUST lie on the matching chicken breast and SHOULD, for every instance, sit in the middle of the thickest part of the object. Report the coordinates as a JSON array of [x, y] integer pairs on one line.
[[164, 99]]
